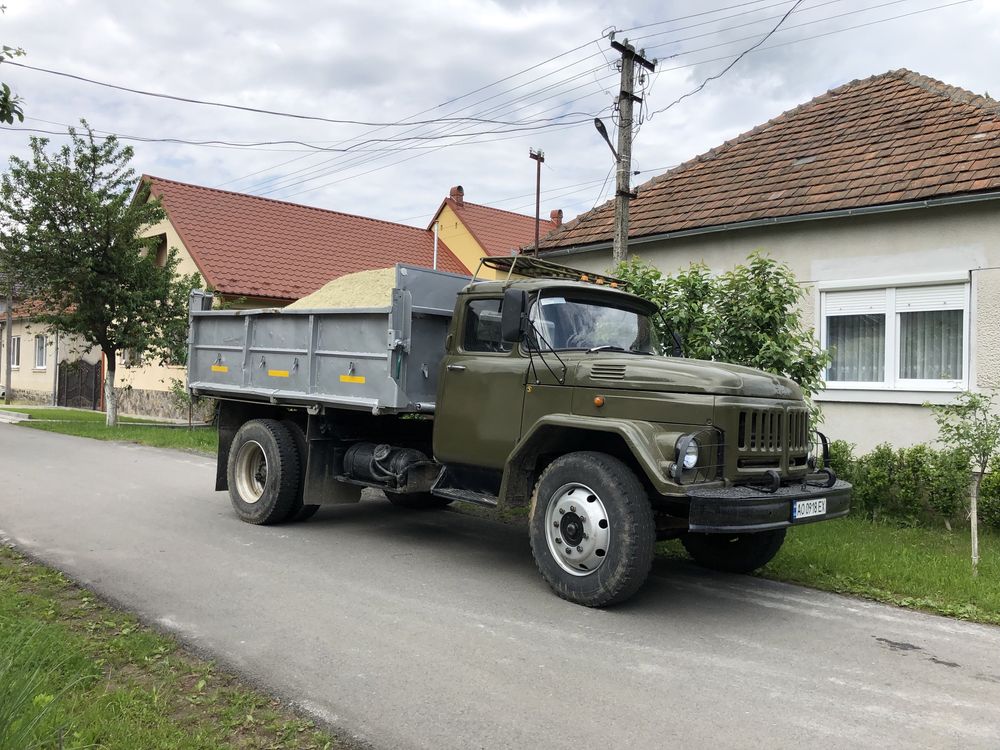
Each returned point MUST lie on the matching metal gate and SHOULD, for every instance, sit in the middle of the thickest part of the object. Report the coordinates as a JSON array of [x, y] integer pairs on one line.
[[79, 384]]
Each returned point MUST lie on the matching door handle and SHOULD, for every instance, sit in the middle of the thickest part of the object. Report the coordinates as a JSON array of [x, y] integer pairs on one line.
[[456, 368]]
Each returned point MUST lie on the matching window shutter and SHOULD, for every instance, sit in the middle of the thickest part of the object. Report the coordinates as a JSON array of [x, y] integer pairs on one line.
[[918, 298], [861, 302]]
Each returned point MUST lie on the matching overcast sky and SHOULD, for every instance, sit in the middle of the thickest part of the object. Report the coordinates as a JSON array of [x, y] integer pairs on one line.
[[386, 62]]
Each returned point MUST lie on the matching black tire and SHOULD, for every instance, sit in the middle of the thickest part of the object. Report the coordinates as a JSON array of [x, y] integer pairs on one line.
[[263, 472], [734, 553], [417, 500], [299, 512], [612, 527]]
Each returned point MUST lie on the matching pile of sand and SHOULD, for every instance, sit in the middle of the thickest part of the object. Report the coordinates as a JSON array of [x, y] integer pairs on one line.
[[361, 289]]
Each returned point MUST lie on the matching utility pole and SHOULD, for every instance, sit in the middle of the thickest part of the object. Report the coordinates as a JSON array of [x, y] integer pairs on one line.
[[539, 157], [626, 99]]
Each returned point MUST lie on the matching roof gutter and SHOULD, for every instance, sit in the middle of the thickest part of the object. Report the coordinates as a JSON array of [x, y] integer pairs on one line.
[[955, 200]]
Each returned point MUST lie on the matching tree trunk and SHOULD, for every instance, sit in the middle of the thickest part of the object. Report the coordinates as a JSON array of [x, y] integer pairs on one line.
[[974, 522], [9, 337], [110, 398]]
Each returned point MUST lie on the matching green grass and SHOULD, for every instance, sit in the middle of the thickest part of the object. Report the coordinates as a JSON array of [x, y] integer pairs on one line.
[[75, 673], [202, 439], [920, 568], [70, 415], [84, 423]]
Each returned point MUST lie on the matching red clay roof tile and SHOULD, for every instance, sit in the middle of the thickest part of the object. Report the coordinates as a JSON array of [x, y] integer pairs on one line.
[[895, 137], [498, 232], [251, 246]]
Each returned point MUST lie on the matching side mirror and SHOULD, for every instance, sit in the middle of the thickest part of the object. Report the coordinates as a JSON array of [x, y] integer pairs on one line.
[[512, 315]]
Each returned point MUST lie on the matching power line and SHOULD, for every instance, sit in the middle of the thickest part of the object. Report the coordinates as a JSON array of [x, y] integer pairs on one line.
[[729, 67], [783, 29], [485, 87], [256, 110], [815, 36]]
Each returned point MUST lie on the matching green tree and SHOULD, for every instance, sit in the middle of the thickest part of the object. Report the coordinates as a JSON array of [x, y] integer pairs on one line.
[[83, 257], [970, 424], [10, 103], [748, 316]]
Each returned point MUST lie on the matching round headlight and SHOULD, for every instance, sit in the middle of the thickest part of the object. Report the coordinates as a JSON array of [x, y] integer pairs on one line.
[[690, 458]]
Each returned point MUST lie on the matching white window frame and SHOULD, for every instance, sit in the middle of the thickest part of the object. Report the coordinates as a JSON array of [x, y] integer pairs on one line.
[[44, 350], [15, 348], [892, 381]]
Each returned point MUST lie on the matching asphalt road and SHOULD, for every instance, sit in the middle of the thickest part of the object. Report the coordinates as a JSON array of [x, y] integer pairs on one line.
[[433, 630]]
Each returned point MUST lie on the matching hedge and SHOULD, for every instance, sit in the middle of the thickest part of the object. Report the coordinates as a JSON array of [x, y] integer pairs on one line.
[[919, 485]]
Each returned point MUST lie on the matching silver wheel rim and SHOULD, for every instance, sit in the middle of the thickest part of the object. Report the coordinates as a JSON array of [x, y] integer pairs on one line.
[[251, 472], [577, 529]]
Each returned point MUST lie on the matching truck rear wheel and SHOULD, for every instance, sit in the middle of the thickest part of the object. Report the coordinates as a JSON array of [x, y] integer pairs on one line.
[[592, 529], [263, 472], [734, 553]]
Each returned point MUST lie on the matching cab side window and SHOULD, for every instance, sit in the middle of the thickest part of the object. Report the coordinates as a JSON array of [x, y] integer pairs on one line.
[[482, 327]]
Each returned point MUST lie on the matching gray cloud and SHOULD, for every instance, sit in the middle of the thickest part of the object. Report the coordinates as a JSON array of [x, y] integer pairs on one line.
[[389, 60]]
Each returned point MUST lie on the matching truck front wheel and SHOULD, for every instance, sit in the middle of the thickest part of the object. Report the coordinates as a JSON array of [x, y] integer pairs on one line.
[[263, 472], [592, 529], [734, 553]]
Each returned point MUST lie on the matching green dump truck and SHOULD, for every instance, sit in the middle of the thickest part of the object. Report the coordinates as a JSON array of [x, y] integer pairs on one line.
[[546, 389]]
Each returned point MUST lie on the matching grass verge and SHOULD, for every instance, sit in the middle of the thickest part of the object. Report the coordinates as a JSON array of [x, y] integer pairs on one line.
[[70, 415], [919, 568], [75, 673], [83, 423]]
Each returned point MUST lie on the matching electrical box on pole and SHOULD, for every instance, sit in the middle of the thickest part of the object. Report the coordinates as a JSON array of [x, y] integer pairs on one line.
[[626, 100]]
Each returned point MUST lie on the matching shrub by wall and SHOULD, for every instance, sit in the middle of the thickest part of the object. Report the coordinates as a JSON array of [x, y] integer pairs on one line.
[[919, 485]]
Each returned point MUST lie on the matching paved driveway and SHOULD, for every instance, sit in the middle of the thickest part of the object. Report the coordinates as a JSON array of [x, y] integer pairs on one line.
[[433, 630]]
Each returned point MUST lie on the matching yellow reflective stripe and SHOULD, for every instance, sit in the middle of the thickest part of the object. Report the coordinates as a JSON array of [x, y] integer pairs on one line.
[[220, 368], [352, 378], [278, 373]]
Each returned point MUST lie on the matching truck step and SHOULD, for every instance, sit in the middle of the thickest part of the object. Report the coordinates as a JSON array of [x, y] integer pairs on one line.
[[467, 496]]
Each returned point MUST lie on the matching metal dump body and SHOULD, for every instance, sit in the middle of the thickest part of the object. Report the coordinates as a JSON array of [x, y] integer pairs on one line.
[[381, 359]]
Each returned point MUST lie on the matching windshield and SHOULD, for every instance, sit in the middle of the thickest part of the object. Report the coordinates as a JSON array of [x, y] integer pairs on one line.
[[568, 323]]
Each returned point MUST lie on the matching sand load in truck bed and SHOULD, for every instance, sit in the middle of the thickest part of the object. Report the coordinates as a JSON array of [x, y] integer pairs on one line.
[[372, 340], [362, 289]]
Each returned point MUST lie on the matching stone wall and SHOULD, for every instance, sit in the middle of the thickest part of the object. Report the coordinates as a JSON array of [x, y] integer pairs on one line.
[[36, 398], [161, 404]]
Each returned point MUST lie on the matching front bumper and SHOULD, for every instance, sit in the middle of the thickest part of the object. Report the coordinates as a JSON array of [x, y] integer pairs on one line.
[[747, 509]]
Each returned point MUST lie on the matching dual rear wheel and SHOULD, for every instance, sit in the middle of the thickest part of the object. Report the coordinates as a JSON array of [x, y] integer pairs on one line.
[[266, 463]]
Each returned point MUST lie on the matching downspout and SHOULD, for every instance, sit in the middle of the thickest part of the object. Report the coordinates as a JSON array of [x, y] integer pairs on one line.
[[435, 245]]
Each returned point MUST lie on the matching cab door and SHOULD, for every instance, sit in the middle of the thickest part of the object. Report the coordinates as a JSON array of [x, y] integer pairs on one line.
[[477, 418]]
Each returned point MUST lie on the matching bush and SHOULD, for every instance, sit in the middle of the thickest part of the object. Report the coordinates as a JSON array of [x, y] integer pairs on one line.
[[914, 486], [842, 459], [989, 498], [748, 315]]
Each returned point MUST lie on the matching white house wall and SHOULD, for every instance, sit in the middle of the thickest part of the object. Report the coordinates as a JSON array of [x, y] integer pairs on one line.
[[953, 243]]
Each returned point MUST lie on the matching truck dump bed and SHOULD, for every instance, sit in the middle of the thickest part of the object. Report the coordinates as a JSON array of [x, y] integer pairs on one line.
[[380, 359]]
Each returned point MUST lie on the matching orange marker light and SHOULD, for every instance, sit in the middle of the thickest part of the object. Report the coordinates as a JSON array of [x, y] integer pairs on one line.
[[598, 401]]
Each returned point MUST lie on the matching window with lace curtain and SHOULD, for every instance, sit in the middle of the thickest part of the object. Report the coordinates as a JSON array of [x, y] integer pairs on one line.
[[905, 337]]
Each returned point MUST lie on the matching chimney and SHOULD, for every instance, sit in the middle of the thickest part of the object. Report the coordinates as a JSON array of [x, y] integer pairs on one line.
[[556, 217], [457, 194]]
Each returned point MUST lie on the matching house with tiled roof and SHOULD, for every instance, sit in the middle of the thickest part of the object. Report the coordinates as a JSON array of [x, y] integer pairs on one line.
[[882, 196], [473, 231], [267, 251], [253, 252], [260, 252]]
